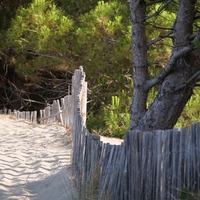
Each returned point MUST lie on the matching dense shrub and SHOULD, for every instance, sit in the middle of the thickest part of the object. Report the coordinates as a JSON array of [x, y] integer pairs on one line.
[[38, 36], [96, 35]]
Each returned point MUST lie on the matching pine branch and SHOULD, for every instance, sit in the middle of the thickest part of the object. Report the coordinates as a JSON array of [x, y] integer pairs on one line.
[[159, 38], [158, 27], [175, 56], [194, 35], [159, 10], [42, 55]]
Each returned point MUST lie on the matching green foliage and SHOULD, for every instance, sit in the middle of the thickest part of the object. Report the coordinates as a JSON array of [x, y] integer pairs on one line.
[[191, 112], [97, 35], [95, 124], [151, 96], [39, 35], [196, 42], [103, 46], [186, 194], [161, 51], [115, 116], [76, 7]]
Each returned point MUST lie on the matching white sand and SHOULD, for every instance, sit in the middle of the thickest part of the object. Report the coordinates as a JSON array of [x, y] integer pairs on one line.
[[112, 141], [34, 161]]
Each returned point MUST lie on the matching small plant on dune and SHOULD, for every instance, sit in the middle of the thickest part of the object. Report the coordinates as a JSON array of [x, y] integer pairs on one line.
[[90, 190], [115, 118], [191, 112], [186, 194]]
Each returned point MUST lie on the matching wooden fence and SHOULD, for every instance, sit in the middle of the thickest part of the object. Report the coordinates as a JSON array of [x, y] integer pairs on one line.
[[146, 166], [61, 110]]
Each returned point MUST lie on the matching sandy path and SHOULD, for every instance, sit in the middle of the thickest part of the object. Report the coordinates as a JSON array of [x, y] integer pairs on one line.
[[34, 161]]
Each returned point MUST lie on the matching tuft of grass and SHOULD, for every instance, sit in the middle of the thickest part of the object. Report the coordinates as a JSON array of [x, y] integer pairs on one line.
[[90, 190], [187, 194]]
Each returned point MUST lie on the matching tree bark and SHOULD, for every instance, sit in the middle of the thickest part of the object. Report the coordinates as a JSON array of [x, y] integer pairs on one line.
[[176, 81], [174, 93], [140, 64]]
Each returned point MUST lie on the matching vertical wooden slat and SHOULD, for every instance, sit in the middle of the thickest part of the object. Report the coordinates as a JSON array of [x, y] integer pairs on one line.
[[197, 154], [54, 111], [84, 103]]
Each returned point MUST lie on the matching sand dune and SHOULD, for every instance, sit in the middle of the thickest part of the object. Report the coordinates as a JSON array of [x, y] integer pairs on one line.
[[34, 161]]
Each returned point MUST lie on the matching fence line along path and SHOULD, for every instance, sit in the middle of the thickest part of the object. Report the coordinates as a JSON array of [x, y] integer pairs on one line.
[[34, 158], [154, 165]]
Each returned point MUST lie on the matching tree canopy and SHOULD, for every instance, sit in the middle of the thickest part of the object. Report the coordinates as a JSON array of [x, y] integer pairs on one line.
[[39, 36], [100, 35]]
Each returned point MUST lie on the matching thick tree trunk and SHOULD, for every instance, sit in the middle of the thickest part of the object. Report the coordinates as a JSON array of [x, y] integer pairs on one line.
[[140, 64], [177, 79], [174, 93]]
